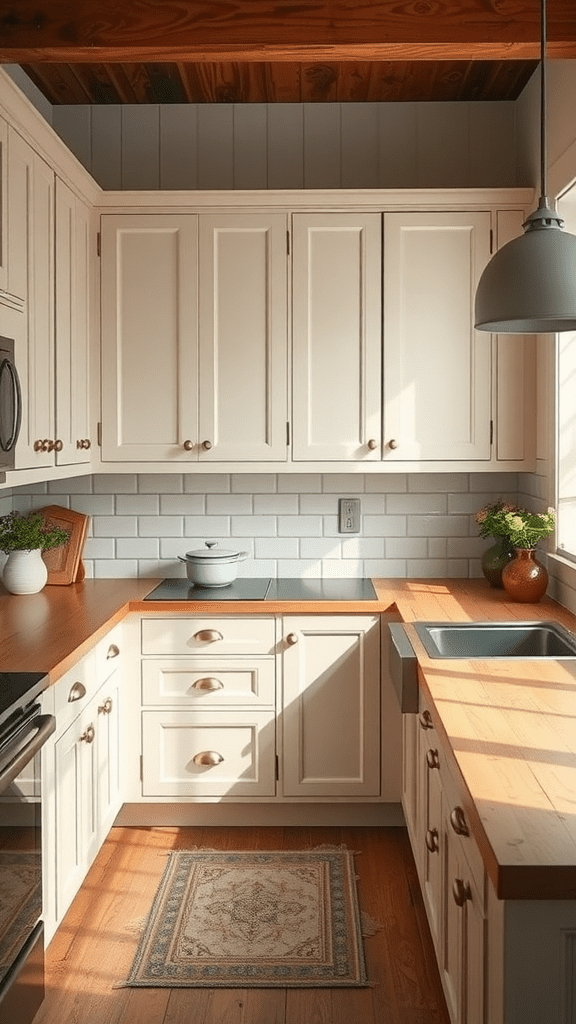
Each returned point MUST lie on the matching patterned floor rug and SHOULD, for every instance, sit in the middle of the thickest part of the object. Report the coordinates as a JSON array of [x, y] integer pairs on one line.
[[260, 919]]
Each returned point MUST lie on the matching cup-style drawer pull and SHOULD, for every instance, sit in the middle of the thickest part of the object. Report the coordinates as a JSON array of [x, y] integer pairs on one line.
[[292, 639], [208, 758], [458, 822], [113, 651], [461, 892], [77, 691], [432, 759], [106, 707], [431, 838], [425, 720], [208, 684], [88, 735], [208, 636]]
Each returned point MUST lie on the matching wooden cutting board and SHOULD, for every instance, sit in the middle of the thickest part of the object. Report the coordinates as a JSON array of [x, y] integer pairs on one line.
[[65, 564]]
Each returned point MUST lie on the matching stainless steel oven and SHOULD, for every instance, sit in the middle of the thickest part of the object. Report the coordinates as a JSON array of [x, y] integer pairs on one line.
[[23, 732], [10, 404]]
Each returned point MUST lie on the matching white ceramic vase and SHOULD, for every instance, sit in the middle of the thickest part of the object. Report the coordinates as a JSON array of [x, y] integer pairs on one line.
[[25, 572]]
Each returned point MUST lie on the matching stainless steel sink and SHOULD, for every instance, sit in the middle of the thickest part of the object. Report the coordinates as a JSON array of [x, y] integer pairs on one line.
[[524, 640]]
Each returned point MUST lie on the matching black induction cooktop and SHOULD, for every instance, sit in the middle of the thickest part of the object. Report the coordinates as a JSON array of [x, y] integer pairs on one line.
[[267, 590]]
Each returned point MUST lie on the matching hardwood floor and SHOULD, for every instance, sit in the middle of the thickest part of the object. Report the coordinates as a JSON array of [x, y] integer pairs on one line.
[[93, 949]]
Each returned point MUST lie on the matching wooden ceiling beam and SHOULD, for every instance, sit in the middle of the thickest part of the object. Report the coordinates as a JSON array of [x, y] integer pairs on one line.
[[109, 31]]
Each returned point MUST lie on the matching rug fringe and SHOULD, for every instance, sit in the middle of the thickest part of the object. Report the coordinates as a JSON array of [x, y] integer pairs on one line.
[[368, 925]]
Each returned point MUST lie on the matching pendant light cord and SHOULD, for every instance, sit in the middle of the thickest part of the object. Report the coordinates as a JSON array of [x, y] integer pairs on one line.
[[543, 99]]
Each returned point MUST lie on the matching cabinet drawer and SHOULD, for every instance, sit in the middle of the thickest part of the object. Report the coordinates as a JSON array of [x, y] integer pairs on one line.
[[74, 690], [208, 682], [241, 745], [225, 635], [109, 653]]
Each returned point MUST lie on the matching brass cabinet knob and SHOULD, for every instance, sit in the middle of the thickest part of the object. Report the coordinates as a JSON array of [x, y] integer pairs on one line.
[[208, 684], [292, 639], [77, 691], [88, 735], [208, 758], [372, 444], [208, 635], [42, 445], [58, 445], [106, 707], [432, 841], [207, 445], [425, 720], [113, 651], [84, 442], [458, 822], [432, 759], [461, 891], [188, 446], [393, 443]]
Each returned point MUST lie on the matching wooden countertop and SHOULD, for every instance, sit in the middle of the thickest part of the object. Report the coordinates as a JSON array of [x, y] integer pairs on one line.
[[510, 725]]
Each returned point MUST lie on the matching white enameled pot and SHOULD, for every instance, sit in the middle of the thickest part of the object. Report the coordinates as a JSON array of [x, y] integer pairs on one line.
[[210, 568]]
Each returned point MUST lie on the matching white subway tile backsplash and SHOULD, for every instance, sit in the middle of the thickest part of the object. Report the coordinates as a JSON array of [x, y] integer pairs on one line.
[[181, 504], [137, 547], [137, 504], [419, 525]]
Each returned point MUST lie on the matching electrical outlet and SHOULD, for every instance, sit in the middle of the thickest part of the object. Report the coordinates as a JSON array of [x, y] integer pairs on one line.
[[349, 515]]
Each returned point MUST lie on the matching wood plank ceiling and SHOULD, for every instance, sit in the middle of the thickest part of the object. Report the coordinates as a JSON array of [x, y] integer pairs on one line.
[[281, 51]]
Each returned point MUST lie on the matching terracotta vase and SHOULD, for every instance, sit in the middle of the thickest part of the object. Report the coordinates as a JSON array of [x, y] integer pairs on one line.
[[525, 578], [495, 559]]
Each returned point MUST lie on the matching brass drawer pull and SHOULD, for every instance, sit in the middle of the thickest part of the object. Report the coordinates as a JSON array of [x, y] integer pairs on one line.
[[208, 758], [292, 639], [208, 684], [431, 839], [106, 707], [88, 735], [208, 636], [113, 651], [188, 446], [461, 892], [432, 759], [425, 720], [77, 691], [458, 822], [372, 444]]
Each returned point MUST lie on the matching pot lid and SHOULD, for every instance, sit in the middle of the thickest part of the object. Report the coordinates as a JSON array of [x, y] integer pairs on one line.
[[208, 554]]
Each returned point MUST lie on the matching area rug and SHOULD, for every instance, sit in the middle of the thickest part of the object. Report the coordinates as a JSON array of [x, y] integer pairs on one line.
[[260, 919]]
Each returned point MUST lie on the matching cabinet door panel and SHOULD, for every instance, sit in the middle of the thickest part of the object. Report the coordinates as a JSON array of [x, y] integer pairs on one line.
[[243, 742], [76, 809], [436, 367], [331, 674], [243, 337], [3, 205], [149, 338], [337, 337]]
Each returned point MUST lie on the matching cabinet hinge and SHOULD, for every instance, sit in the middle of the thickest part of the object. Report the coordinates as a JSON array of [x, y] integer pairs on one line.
[[288, 242], [288, 435], [277, 768], [98, 237], [491, 240], [491, 431], [99, 435]]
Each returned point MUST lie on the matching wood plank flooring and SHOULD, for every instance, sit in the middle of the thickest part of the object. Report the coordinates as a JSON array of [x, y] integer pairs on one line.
[[94, 947]]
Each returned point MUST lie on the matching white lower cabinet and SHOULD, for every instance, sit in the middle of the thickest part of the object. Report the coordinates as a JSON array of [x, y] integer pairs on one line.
[[81, 774], [331, 706]]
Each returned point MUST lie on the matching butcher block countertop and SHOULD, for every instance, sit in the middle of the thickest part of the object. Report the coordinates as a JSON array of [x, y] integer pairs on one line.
[[509, 726]]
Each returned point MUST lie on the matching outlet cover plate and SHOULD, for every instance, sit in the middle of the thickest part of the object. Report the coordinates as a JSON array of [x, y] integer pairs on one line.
[[349, 515]]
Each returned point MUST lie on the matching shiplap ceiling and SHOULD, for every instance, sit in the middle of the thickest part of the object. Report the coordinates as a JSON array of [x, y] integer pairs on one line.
[[285, 51]]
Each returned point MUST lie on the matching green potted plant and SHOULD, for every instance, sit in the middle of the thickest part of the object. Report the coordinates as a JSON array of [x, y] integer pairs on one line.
[[23, 538], [525, 578], [491, 520]]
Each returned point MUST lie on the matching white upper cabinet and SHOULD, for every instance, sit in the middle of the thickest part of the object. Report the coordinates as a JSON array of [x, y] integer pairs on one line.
[[437, 383], [149, 338], [337, 337], [74, 254], [31, 278], [3, 205], [243, 337]]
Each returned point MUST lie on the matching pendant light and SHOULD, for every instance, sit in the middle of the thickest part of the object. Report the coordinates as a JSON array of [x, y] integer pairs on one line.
[[529, 285]]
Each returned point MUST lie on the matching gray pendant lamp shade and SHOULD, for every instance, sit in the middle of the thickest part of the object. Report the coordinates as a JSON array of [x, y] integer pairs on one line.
[[529, 285]]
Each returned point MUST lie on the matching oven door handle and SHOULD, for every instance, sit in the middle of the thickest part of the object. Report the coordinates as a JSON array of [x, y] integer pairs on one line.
[[46, 726]]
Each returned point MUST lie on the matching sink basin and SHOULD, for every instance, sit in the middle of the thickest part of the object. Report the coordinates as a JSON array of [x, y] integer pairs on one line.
[[524, 640]]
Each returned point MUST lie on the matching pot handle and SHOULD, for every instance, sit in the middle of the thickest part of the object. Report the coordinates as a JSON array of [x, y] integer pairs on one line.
[[185, 560], [243, 555]]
